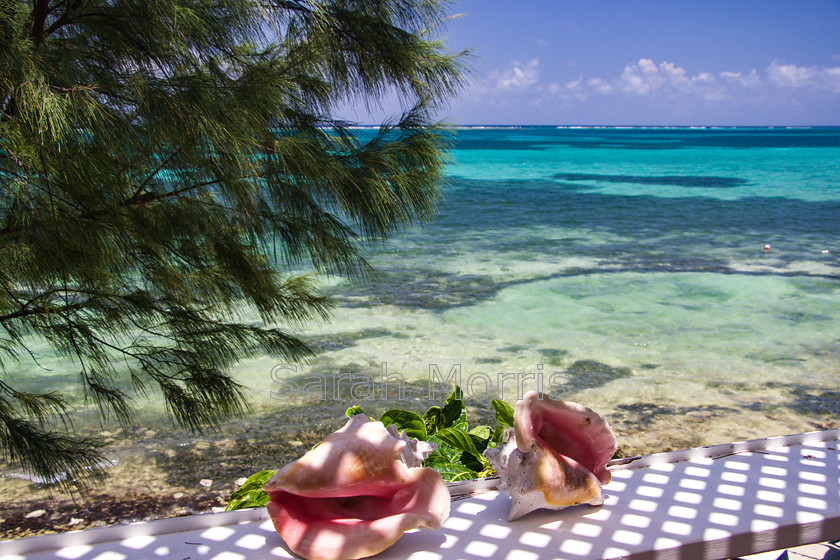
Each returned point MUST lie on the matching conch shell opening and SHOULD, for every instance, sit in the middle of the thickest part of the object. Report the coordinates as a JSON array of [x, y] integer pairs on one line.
[[557, 457], [571, 430], [353, 496]]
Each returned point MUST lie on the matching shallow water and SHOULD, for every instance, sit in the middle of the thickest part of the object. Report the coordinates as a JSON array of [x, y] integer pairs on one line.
[[624, 269]]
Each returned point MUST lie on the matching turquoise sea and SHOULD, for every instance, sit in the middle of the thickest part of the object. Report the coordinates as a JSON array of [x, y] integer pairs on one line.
[[683, 282], [678, 279]]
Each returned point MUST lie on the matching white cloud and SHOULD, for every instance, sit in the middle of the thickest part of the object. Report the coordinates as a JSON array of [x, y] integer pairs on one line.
[[599, 85], [704, 78], [575, 84], [645, 78], [641, 78], [793, 76], [517, 75], [665, 88], [554, 88], [831, 77], [750, 80], [674, 75]]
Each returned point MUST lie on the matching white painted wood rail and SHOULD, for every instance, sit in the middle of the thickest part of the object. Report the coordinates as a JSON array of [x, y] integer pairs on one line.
[[714, 502]]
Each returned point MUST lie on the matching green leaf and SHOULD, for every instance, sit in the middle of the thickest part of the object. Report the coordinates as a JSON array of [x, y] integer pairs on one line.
[[504, 413], [458, 439], [433, 418], [461, 423], [451, 471], [498, 435], [406, 420], [472, 462], [446, 460], [251, 494], [453, 407], [481, 432], [481, 436], [354, 410]]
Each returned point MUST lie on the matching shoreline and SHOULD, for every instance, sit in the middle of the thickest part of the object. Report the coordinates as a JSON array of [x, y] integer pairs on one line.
[[174, 474]]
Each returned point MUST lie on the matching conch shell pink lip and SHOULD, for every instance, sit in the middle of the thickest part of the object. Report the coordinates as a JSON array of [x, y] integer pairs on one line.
[[349, 527], [353, 495], [568, 429], [383, 489], [348, 508]]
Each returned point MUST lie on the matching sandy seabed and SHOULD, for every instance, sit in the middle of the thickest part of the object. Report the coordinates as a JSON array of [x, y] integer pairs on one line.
[[171, 473]]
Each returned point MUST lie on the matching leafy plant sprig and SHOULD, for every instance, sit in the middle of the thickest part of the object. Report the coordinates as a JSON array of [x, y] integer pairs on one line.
[[459, 449], [459, 452], [251, 494]]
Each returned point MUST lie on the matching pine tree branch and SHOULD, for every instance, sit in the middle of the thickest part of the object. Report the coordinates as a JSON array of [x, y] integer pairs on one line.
[[135, 200], [65, 18], [40, 11], [36, 311], [14, 336], [39, 406], [149, 198], [157, 170], [154, 154], [42, 175]]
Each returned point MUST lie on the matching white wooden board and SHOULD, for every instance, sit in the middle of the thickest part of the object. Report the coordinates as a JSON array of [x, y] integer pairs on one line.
[[716, 502]]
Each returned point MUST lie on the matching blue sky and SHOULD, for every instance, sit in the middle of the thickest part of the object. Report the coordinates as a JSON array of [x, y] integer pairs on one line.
[[658, 62]]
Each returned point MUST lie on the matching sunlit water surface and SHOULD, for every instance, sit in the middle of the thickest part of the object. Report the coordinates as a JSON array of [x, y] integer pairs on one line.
[[686, 283]]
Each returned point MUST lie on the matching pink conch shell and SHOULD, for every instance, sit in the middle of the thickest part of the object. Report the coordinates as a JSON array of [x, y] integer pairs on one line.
[[352, 496], [415, 451], [557, 457]]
